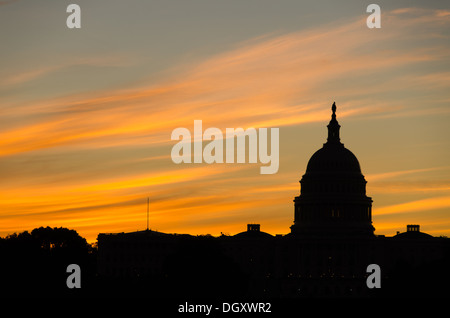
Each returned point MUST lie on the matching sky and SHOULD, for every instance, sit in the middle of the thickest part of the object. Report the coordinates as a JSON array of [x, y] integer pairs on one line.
[[86, 115]]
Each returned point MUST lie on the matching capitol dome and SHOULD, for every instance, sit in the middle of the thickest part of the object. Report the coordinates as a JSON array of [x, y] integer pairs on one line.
[[333, 158], [333, 192]]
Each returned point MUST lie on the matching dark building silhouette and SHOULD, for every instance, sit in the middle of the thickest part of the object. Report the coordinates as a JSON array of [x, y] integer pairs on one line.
[[333, 197], [331, 243]]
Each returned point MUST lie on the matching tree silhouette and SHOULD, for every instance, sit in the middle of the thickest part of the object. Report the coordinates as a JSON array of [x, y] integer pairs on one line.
[[34, 264]]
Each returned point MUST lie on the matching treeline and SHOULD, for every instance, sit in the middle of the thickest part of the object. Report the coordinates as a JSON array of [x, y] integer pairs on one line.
[[34, 264]]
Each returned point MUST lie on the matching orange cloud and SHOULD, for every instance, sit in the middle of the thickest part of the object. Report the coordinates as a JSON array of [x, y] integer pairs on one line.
[[271, 81], [414, 206]]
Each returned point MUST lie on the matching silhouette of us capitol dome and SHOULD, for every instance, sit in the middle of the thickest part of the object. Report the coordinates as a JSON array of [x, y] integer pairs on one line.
[[327, 252], [333, 197]]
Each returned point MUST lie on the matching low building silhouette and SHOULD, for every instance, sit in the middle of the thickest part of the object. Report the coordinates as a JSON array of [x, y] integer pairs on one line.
[[326, 254]]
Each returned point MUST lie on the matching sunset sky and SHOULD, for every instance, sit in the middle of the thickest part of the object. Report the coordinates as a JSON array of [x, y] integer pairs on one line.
[[86, 115]]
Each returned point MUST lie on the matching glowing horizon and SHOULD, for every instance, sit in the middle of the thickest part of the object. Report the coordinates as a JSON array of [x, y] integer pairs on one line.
[[86, 119]]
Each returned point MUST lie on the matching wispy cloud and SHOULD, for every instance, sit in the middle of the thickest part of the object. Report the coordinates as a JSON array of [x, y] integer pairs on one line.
[[273, 80], [27, 75], [395, 174], [408, 187], [268, 81], [414, 206]]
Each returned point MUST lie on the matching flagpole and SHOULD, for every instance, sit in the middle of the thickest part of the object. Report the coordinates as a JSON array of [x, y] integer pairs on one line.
[[147, 212]]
